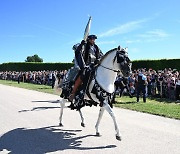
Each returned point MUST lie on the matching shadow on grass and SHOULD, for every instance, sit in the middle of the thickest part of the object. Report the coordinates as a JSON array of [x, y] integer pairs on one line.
[[44, 88], [44, 140], [165, 100], [156, 98], [133, 102]]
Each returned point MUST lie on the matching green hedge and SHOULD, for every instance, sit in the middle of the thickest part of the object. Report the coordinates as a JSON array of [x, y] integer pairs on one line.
[[32, 66], [157, 64], [25, 66]]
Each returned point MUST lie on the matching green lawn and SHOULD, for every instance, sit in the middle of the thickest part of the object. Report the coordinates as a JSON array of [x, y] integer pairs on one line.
[[41, 88], [160, 107]]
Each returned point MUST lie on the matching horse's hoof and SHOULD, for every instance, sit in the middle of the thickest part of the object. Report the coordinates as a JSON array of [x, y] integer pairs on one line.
[[98, 134], [82, 124], [60, 124], [118, 138]]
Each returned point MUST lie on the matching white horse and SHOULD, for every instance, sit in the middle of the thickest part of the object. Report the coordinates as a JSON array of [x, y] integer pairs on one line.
[[114, 61]]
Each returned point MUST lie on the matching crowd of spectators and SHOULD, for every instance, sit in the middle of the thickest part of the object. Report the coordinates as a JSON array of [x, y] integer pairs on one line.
[[162, 83], [36, 77]]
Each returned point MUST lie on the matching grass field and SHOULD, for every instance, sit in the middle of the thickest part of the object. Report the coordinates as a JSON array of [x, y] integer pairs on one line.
[[161, 107], [41, 88], [157, 106]]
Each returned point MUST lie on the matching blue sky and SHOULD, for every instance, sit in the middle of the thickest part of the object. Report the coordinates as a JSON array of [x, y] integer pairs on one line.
[[149, 28]]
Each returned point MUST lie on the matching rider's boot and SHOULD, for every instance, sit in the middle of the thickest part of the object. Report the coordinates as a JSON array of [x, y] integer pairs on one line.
[[77, 84]]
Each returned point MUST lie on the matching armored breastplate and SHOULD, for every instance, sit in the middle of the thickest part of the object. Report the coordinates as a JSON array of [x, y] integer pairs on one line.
[[92, 54]]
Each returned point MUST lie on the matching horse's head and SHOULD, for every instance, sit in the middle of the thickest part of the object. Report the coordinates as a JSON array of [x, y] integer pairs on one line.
[[122, 61]]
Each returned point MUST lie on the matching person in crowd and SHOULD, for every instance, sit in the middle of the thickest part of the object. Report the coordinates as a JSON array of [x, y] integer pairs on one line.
[[53, 80], [141, 85], [178, 88]]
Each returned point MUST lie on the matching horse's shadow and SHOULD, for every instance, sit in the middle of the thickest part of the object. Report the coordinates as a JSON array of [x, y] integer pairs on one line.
[[43, 140], [42, 107], [45, 101], [39, 108]]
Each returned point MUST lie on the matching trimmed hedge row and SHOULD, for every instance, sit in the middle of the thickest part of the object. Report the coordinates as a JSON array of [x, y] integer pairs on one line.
[[157, 64], [31, 66], [34, 66]]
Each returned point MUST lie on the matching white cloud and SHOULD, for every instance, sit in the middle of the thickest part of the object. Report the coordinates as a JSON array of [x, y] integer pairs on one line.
[[122, 29], [149, 36], [157, 33], [106, 42], [49, 29], [133, 41]]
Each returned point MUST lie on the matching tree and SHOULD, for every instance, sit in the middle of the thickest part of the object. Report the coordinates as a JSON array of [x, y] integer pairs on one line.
[[34, 58]]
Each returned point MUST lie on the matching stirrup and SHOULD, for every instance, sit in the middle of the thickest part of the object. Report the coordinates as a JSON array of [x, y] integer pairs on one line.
[[70, 98]]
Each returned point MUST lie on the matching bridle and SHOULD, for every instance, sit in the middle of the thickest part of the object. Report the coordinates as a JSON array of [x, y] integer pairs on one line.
[[117, 71], [109, 68]]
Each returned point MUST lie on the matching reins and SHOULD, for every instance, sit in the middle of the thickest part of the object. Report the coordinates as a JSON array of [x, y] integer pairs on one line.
[[109, 68]]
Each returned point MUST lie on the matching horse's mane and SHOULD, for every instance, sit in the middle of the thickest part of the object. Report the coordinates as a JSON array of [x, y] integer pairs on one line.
[[106, 54]]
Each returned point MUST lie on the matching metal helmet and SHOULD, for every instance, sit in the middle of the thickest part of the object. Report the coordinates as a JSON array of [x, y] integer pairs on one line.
[[75, 46]]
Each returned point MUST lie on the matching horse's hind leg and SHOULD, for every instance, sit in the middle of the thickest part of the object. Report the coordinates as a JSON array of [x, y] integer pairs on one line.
[[82, 119], [101, 111], [109, 110], [62, 103]]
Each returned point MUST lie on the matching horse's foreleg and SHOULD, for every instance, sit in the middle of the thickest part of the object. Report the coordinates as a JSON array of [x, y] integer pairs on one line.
[[109, 110], [82, 119], [101, 111], [62, 104]]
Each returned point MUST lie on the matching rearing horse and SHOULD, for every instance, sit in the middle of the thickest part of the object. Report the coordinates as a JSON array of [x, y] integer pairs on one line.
[[101, 88]]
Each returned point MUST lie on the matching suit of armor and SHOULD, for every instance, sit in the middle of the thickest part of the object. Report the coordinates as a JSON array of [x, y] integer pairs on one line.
[[86, 54]]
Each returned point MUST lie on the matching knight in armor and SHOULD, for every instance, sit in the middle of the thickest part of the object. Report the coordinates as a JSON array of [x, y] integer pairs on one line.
[[87, 53]]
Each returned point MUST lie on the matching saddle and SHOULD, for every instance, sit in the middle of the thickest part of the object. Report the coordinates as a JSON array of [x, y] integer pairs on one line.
[[68, 82]]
